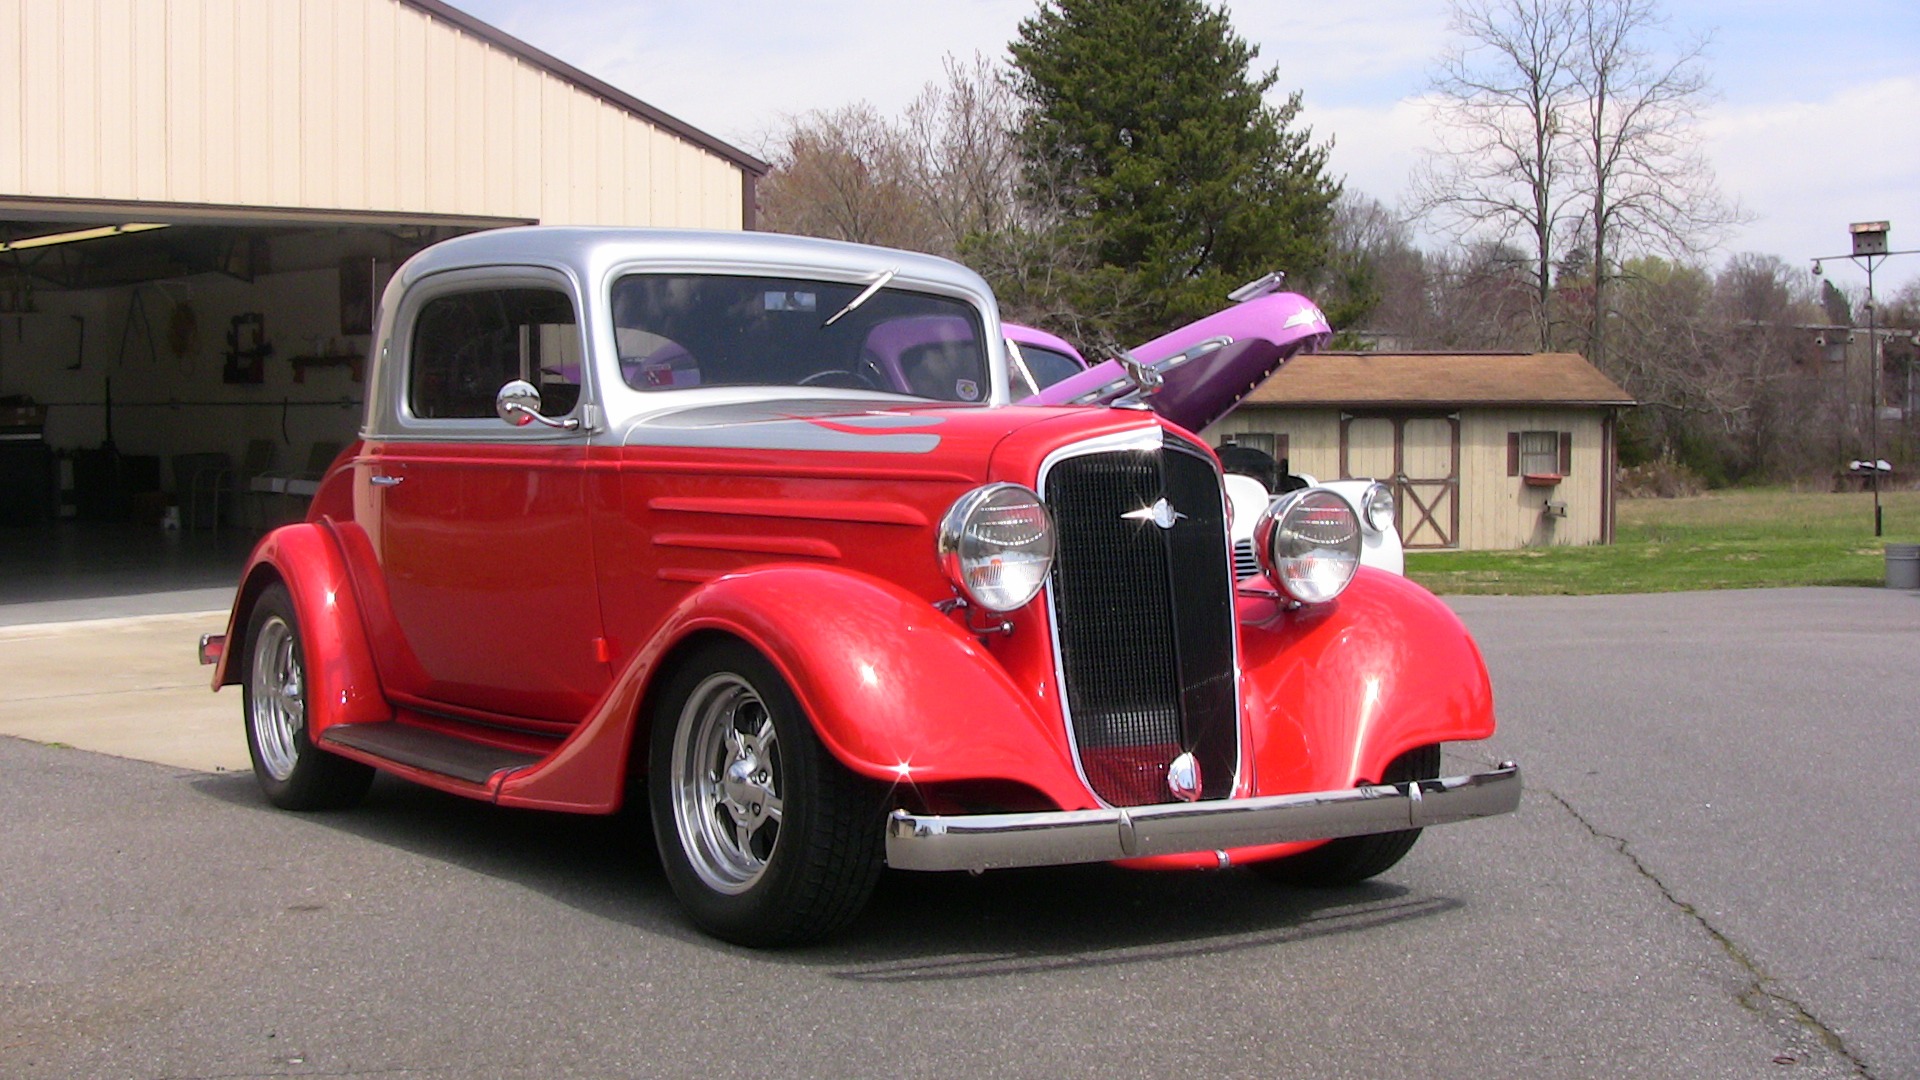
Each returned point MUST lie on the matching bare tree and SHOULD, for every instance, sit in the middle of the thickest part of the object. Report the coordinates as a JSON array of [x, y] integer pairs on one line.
[[1648, 189], [965, 162], [846, 174], [1507, 95], [947, 170], [1565, 119]]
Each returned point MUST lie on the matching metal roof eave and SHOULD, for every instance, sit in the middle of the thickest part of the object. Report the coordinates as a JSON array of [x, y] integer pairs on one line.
[[607, 92]]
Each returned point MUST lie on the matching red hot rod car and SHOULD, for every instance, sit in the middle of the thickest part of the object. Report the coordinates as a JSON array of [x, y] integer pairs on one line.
[[747, 527]]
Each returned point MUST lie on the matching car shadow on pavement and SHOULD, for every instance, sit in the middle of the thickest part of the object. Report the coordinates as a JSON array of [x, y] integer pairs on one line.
[[919, 926], [1015, 922]]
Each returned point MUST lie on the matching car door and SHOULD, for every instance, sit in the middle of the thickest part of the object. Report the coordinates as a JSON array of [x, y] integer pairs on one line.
[[481, 526]]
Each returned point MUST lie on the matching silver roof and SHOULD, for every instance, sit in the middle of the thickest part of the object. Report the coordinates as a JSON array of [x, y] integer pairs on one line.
[[590, 252]]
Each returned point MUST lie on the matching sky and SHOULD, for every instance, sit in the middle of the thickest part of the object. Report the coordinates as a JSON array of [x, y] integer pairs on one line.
[[1815, 122]]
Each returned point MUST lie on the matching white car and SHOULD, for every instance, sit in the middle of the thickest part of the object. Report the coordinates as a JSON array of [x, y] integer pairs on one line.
[[1372, 503]]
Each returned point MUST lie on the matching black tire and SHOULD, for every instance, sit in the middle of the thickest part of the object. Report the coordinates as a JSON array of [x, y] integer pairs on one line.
[[1353, 859], [765, 838], [295, 774]]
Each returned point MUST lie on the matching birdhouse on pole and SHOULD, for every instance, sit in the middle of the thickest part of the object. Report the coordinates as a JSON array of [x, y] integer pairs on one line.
[[1869, 237]]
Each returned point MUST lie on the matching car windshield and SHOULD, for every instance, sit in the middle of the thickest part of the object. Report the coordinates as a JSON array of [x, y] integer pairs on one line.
[[683, 330]]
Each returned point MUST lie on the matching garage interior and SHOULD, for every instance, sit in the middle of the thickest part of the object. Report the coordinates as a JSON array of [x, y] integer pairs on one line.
[[199, 205], [170, 388]]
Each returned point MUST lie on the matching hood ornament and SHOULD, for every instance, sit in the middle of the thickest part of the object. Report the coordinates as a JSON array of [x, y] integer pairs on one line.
[[1161, 513], [1183, 777]]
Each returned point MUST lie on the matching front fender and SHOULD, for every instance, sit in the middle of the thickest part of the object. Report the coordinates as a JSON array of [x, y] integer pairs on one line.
[[1337, 691], [897, 690], [343, 684]]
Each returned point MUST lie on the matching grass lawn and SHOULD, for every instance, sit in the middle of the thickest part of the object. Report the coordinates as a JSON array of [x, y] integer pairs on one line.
[[1746, 539]]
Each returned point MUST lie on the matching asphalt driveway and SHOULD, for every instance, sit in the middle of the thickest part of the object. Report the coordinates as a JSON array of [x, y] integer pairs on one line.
[[1711, 875]]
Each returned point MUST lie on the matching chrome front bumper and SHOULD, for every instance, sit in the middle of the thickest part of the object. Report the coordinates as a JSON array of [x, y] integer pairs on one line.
[[1000, 841]]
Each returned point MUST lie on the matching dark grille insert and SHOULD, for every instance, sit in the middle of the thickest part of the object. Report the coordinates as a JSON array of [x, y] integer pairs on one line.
[[1145, 620]]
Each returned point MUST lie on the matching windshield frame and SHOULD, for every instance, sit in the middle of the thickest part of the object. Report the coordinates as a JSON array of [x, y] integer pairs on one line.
[[984, 354]]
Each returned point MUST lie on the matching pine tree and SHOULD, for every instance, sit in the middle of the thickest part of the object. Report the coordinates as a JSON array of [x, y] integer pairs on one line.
[[1148, 131]]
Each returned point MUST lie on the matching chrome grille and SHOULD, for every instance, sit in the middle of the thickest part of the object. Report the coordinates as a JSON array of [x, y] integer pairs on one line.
[[1244, 564], [1144, 618]]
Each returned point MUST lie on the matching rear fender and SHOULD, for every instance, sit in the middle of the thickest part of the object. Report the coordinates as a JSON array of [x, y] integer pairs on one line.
[[343, 685], [897, 690], [1337, 691]]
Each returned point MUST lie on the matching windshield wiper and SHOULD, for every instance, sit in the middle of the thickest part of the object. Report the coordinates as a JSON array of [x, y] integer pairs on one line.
[[865, 295]]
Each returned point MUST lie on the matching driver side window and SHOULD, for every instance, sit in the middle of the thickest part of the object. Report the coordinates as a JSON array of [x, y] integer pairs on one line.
[[466, 345]]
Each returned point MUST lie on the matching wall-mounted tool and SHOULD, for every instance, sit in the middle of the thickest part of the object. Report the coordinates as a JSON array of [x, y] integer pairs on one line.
[[247, 349]]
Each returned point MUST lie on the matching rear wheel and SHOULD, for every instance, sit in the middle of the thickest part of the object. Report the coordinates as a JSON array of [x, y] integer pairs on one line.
[[295, 774], [1353, 859], [766, 839]]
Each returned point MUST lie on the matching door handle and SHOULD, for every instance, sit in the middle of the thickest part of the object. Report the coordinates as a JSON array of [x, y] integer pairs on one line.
[[383, 480]]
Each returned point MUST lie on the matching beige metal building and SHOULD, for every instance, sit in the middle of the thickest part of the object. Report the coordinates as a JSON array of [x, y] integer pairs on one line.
[[200, 201], [1483, 450]]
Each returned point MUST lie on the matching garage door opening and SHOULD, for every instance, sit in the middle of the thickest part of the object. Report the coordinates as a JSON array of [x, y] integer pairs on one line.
[[170, 388]]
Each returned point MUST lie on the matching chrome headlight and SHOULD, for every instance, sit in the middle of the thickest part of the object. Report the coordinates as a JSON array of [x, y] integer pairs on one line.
[[996, 545], [1308, 543], [1377, 508]]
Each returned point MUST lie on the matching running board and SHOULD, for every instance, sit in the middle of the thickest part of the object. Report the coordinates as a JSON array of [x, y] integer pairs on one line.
[[434, 751]]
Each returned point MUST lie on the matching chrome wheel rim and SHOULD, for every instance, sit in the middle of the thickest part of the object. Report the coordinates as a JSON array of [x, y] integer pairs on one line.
[[726, 778], [277, 710]]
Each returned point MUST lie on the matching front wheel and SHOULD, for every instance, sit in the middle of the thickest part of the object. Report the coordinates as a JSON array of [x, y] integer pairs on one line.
[[295, 774], [765, 838], [1353, 859]]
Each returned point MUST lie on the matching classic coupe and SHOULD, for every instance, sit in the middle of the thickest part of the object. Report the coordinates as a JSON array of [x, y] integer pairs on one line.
[[747, 531]]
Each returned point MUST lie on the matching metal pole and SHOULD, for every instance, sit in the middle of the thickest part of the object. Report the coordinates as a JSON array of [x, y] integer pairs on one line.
[[1873, 395], [1869, 251]]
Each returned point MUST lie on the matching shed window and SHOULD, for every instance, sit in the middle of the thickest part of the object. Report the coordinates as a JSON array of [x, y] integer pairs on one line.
[[1539, 453]]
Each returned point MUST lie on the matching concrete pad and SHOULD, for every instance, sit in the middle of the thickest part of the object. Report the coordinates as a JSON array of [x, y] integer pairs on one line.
[[130, 687]]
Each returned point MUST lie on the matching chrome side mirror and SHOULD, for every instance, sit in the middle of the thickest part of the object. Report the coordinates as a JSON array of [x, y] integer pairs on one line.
[[518, 403]]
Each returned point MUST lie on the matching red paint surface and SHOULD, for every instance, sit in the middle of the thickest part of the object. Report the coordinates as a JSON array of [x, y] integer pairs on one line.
[[531, 596]]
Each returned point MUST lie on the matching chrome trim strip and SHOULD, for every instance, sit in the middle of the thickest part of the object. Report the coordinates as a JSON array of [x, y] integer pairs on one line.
[[999, 841], [1151, 437]]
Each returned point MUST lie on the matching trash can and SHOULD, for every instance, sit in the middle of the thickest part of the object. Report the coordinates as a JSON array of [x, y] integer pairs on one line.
[[1903, 566]]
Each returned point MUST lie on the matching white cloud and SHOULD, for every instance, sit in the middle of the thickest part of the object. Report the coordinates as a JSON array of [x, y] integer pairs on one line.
[[1806, 169], [734, 68], [1346, 54], [1802, 169], [1374, 147]]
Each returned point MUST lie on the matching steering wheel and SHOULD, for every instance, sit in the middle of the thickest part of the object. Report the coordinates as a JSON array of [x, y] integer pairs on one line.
[[839, 379]]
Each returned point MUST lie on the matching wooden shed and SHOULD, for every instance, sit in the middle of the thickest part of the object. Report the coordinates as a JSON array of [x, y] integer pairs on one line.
[[1483, 450]]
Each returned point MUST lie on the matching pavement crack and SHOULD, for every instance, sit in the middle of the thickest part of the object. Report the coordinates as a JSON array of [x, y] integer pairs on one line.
[[1762, 989]]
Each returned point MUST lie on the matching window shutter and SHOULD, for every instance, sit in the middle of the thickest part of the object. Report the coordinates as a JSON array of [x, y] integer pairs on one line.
[[1513, 453], [1281, 445], [1566, 453]]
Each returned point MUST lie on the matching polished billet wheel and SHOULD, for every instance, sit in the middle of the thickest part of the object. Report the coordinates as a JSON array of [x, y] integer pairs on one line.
[[726, 765], [766, 838], [277, 709], [294, 773]]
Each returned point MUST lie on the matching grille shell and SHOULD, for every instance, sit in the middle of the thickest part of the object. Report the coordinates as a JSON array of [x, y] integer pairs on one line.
[[1143, 617]]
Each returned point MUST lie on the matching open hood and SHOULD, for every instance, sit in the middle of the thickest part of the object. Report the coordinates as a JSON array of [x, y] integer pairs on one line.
[[1205, 367]]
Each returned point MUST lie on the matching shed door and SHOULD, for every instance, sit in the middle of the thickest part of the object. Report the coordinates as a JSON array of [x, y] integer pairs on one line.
[[1367, 450], [1419, 458], [1429, 481]]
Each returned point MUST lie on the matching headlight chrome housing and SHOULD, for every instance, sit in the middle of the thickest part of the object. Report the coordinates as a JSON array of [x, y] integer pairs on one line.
[[1377, 508], [996, 546], [1308, 543]]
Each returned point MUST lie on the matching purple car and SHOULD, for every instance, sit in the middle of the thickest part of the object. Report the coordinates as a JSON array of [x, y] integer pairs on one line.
[[1195, 374]]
